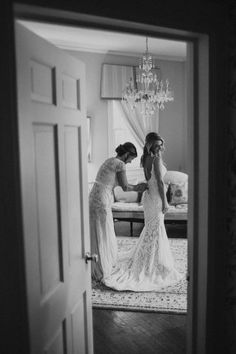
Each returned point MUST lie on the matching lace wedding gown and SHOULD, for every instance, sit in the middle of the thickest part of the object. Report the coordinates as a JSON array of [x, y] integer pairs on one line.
[[150, 265], [102, 233]]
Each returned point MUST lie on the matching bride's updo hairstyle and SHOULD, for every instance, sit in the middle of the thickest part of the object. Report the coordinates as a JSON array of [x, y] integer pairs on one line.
[[126, 147], [150, 139]]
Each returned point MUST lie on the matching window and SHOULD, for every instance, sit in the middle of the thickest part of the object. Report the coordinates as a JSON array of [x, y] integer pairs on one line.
[[119, 132]]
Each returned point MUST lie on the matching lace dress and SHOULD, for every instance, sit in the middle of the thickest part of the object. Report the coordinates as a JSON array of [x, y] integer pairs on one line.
[[150, 265], [102, 233]]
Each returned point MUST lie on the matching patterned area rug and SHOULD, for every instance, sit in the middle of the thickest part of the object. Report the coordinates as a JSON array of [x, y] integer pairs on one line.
[[172, 299]]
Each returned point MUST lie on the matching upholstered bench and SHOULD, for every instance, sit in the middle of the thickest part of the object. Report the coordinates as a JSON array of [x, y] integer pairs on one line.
[[128, 206]]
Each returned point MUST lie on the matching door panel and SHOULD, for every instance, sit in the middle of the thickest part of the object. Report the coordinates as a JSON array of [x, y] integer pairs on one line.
[[57, 345], [53, 163], [47, 202], [43, 86], [70, 92], [78, 333], [73, 167]]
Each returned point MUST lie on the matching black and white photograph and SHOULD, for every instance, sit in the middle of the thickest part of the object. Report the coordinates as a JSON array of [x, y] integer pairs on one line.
[[118, 177]]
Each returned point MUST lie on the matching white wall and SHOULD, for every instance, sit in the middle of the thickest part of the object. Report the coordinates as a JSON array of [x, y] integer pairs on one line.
[[171, 126], [172, 121]]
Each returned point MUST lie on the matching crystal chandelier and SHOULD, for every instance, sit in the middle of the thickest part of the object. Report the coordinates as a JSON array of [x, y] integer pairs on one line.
[[151, 92]]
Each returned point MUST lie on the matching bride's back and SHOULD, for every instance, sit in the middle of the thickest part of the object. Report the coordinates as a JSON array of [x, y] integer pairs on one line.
[[151, 171], [148, 167]]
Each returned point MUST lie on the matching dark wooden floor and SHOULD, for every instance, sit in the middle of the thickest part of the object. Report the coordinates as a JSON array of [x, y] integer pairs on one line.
[[124, 332]]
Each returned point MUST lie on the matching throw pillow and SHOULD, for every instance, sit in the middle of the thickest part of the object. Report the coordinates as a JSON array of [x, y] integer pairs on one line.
[[178, 193]]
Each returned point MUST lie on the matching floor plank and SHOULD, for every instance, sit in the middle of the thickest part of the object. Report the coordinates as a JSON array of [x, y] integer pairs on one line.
[[125, 332]]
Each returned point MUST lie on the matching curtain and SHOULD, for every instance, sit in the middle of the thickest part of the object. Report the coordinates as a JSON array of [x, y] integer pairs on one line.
[[113, 81], [139, 125]]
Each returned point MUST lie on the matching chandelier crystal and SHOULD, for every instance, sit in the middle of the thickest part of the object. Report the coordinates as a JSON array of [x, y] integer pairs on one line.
[[149, 91]]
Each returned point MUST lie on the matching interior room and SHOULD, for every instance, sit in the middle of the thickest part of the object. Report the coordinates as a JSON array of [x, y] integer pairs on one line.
[[96, 48], [109, 58], [104, 53], [43, 146]]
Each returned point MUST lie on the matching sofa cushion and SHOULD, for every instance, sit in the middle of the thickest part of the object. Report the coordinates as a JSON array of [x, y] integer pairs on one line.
[[126, 197], [175, 177], [132, 207]]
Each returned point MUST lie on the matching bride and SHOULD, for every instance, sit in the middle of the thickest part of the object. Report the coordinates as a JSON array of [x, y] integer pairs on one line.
[[150, 265]]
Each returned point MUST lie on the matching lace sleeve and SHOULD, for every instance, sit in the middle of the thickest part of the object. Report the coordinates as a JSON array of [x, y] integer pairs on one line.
[[121, 175], [120, 166]]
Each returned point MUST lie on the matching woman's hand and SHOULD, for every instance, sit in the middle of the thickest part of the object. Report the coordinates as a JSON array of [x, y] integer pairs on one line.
[[165, 208], [141, 187]]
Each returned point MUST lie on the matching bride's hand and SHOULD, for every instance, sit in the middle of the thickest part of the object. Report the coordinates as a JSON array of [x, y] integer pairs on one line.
[[165, 208]]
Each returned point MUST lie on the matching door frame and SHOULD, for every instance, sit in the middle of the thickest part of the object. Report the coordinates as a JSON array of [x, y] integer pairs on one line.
[[202, 161]]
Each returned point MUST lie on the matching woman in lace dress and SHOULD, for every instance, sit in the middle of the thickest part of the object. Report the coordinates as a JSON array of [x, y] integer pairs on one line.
[[150, 265], [102, 233]]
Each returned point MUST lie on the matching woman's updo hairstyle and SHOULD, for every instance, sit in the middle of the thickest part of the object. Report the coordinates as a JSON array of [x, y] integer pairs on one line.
[[126, 147], [150, 139]]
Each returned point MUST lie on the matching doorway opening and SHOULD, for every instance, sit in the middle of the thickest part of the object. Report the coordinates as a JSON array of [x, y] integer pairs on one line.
[[190, 111]]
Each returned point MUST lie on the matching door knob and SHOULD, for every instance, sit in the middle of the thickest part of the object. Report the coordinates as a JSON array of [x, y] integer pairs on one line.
[[89, 257]]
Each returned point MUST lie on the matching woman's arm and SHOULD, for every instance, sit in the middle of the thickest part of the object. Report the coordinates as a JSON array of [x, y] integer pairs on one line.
[[160, 183], [123, 182]]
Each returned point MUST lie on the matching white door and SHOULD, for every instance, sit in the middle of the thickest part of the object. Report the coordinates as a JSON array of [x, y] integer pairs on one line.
[[53, 153]]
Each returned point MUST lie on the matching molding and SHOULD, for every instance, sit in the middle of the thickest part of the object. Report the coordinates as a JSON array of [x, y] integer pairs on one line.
[[73, 46]]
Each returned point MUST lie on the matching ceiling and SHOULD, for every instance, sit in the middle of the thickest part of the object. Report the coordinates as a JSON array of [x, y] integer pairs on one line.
[[100, 41]]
